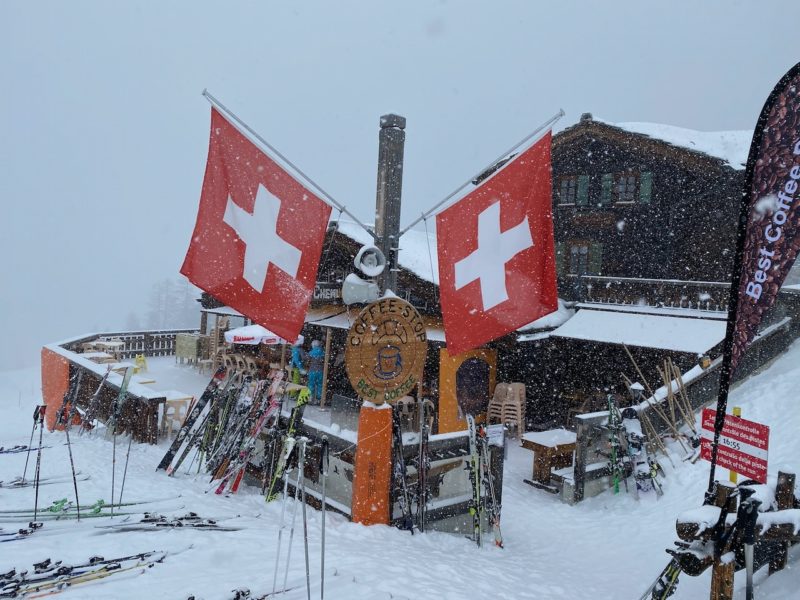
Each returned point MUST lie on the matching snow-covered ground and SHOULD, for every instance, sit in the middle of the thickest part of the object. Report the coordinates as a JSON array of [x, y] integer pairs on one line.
[[608, 547]]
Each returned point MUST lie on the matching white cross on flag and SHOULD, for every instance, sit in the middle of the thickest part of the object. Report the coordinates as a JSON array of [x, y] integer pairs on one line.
[[259, 234], [496, 256]]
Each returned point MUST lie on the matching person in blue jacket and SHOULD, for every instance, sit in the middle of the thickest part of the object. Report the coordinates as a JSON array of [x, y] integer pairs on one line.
[[296, 364], [316, 362]]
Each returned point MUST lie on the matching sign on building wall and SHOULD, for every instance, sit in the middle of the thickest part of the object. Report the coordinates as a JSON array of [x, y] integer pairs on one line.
[[386, 349]]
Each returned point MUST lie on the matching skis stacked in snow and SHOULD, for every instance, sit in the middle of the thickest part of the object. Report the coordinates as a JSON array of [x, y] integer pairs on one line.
[[232, 469], [218, 381], [484, 506], [645, 468], [286, 442]]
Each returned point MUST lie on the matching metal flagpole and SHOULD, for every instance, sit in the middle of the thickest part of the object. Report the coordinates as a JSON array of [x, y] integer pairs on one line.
[[549, 123], [310, 181]]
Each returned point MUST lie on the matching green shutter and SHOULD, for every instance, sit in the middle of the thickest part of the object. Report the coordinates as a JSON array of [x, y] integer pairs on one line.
[[583, 190], [560, 257], [595, 258], [645, 187], [607, 186]]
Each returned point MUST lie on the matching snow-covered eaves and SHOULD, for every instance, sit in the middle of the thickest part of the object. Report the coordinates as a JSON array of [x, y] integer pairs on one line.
[[417, 249], [666, 311], [551, 321], [732, 147], [680, 334]]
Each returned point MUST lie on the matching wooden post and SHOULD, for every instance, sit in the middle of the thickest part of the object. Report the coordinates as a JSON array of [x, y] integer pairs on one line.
[[784, 497], [722, 572], [373, 466], [325, 368], [734, 477]]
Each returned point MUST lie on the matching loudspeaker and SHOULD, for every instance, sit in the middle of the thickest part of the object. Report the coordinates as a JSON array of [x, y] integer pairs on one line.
[[357, 291], [370, 261]]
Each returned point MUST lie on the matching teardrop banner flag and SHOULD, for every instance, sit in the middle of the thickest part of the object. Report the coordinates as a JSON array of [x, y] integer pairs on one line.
[[769, 223]]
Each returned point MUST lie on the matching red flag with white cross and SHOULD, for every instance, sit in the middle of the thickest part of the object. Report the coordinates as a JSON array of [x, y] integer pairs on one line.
[[496, 253], [259, 234]]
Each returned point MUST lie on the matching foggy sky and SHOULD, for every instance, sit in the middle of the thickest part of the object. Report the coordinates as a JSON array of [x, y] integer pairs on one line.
[[105, 131]]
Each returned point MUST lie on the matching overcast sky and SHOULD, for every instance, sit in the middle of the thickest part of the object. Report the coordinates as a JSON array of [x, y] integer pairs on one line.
[[105, 131]]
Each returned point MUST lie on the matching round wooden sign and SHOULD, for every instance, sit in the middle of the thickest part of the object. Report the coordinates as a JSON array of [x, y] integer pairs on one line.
[[386, 348]]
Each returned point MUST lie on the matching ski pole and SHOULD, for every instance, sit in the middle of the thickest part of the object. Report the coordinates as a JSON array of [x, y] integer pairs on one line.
[[324, 465], [302, 478], [30, 443], [280, 531], [38, 462], [73, 402], [300, 459], [125, 470]]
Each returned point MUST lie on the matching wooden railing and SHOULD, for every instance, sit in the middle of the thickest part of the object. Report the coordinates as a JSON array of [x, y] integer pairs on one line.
[[160, 342]]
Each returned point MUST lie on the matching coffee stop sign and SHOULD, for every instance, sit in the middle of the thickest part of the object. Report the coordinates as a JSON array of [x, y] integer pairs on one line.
[[386, 348], [743, 445]]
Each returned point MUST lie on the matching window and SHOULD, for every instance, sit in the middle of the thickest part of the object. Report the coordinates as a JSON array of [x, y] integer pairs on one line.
[[569, 190], [574, 189], [585, 258], [626, 185], [626, 188]]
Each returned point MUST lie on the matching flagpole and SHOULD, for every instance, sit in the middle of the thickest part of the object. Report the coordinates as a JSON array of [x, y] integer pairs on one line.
[[216, 103], [549, 123]]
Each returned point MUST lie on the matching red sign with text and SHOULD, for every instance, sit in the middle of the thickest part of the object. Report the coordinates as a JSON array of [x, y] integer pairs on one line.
[[743, 445]]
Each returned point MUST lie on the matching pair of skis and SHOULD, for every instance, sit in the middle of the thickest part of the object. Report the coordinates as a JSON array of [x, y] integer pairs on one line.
[[484, 505]]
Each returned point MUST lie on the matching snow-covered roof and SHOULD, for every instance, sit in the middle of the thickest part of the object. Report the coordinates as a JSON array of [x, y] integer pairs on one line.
[[730, 146], [554, 319], [417, 249], [647, 331]]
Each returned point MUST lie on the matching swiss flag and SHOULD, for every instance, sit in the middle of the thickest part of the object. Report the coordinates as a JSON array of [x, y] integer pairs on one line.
[[259, 234], [496, 256]]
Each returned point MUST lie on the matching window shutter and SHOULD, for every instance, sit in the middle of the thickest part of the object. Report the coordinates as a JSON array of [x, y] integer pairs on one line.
[[595, 258], [645, 187], [560, 258], [607, 186], [583, 190]]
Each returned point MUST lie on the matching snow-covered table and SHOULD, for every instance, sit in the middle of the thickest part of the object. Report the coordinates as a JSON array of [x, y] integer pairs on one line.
[[552, 448]]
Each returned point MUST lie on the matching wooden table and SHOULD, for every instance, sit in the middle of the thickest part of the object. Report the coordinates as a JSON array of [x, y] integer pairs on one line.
[[179, 403], [552, 449]]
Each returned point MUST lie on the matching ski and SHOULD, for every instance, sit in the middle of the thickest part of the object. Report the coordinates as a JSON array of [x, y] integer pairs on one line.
[[236, 468], [296, 415], [64, 505], [191, 418], [18, 449], [492, 507], [474, 468], [157, 521], [68, 577], [400, 475], [19, 483], [665, 584]]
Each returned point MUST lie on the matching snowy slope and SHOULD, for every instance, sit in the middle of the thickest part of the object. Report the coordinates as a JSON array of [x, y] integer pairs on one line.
[[606, 547]]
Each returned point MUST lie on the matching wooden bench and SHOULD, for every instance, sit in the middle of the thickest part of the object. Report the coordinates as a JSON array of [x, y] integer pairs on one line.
[[552, 449]]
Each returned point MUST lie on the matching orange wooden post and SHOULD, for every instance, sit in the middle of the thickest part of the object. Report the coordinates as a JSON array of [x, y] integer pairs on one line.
[[373, 468], [55, 383]]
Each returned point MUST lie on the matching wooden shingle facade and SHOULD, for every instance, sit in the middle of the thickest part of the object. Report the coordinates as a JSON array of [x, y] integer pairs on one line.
[[628, 205]]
